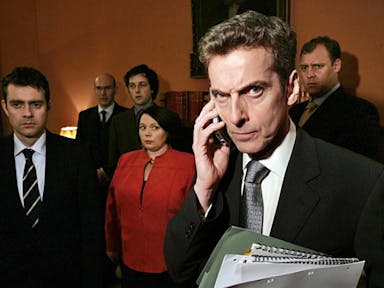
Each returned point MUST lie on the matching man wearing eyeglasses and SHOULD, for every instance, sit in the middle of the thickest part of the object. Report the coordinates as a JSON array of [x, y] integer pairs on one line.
[[142, 85], [331, 114]]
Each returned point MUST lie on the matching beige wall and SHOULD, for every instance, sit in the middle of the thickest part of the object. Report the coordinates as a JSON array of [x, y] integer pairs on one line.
[[359, 27], [72, 41]]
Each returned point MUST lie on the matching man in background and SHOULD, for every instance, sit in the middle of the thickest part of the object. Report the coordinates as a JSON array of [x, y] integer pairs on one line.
[[94, 123], [142, 86], [93, 130], [51, 215], [331, 113]]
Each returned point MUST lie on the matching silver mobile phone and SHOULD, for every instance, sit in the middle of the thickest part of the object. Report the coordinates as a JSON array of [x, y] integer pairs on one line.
[[221, 135]]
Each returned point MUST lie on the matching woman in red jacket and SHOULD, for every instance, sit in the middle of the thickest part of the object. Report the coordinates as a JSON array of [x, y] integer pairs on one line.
[[147, 189]]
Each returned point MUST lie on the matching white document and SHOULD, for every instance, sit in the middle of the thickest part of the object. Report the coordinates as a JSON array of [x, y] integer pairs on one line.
[[244, 271]]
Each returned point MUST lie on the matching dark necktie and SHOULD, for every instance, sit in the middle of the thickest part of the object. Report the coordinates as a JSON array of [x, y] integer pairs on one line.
[[103, 117], [32, 201], [252, 208], [308, 111]]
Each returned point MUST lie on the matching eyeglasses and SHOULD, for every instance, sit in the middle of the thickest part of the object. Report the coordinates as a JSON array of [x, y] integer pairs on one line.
[[140, 85]]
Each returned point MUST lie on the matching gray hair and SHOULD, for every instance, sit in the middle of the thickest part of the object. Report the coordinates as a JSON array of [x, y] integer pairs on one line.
[[250, 30]]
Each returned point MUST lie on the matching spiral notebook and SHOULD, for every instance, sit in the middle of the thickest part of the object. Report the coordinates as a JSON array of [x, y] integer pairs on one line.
[[270, 262]]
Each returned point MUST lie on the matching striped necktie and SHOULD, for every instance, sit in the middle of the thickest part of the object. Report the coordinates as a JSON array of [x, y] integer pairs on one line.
[[32, 201], [308, 111]]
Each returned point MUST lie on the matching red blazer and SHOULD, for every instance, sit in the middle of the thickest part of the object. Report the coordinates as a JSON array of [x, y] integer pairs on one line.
[[137, 228]]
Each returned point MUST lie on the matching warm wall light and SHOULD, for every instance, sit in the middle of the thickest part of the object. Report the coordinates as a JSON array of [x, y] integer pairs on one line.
[[69, 131]]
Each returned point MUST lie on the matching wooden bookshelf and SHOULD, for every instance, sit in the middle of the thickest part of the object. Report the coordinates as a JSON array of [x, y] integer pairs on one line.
[[187, 104]]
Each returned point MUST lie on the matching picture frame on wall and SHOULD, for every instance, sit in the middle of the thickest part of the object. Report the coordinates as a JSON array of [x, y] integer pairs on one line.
[[207, 13]]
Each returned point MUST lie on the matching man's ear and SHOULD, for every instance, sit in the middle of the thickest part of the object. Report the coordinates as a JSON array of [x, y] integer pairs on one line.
[[337, 65], [4, 106], [293, 89]]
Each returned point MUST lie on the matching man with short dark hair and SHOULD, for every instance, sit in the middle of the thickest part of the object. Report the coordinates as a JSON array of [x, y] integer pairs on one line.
[[331, 113], [50, 212]]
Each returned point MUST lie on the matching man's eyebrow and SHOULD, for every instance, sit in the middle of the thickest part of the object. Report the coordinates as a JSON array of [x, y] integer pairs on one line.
[[106, 86], [28, 102], [141, 81], [244, 87]]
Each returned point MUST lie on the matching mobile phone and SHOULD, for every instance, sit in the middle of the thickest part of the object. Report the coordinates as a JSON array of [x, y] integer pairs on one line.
[[221, 135]]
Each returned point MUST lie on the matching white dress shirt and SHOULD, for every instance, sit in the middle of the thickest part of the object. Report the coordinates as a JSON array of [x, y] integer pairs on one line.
[[109, 111], [271, 186]]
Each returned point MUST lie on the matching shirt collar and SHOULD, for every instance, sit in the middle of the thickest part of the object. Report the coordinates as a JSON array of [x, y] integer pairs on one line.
[[109, 109], [38, 146], [320, 100], [277, 163], [141, 108]]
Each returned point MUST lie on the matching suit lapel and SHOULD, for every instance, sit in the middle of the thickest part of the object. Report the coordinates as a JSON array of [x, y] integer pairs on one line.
[[53, 173], [298, 199], [96, 124], [116, 110], [234, 186], [331, 106], [9, 192]]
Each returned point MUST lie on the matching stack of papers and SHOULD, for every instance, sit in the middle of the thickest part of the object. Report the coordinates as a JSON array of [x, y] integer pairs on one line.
[[274, 263]]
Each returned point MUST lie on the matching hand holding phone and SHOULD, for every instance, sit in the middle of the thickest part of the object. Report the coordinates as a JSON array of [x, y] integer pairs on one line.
[[221, 135], [211, 158]]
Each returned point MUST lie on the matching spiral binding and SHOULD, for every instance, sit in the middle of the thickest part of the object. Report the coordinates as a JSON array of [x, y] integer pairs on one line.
[[264, 253]]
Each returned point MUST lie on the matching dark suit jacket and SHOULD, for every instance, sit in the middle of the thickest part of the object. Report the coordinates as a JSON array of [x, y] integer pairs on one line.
[[123, 136], [331, 201], [66, 249], [344, 120], [90, 131]]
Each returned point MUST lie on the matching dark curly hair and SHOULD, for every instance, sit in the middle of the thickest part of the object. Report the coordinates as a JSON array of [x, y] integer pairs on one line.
[[149, 73]]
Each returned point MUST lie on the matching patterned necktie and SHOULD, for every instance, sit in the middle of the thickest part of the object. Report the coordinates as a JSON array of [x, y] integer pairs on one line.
[[309, 109], [252, 208], [32, 201]]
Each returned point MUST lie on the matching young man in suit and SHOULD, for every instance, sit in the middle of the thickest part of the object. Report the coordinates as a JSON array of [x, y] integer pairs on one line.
[[93, 129], [142, 85], [314, 194], [335, 116], [50, 213]]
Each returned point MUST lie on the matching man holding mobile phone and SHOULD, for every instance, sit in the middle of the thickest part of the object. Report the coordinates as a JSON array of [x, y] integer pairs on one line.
[[314, 194]]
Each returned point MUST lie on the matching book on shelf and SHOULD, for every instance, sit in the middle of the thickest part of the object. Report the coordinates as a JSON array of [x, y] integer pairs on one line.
[[243, 258], [196, 102], [187, 104], [177, 102]]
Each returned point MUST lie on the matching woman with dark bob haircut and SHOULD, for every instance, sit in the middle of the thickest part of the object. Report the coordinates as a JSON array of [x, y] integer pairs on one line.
[[147, 189]]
